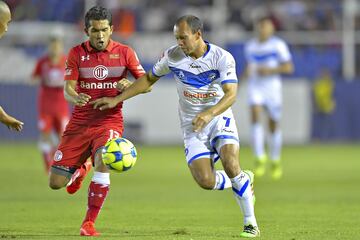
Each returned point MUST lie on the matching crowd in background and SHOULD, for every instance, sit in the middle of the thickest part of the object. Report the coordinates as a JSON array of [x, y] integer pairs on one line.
[[150, 15]]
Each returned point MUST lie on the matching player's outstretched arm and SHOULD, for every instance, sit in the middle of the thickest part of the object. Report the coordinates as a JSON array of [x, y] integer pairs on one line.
[[141, 85], [125, 83], [9, 121], [284, 68], [203, 118], [78, 99]]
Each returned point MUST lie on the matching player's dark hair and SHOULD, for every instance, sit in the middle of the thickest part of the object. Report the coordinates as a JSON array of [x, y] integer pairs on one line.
[[97, 13], [192, 21]]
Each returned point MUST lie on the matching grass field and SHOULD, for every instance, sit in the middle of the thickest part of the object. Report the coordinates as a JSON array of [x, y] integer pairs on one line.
[[318, 198]]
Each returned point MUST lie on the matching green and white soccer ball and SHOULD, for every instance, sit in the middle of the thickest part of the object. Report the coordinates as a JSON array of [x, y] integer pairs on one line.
[[119, 154]]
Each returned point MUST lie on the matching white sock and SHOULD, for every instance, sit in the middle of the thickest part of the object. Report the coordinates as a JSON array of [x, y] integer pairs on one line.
[[44, 147], [244, 197], [101, 178], [222, 180], [275, 145], [258, 143]]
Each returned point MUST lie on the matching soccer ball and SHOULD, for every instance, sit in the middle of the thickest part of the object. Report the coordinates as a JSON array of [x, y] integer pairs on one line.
[[119, 154]]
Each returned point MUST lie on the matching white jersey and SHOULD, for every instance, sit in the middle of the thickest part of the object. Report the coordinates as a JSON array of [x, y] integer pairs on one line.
[[199, 85], [266, 90], [199, 81], [270, 53]]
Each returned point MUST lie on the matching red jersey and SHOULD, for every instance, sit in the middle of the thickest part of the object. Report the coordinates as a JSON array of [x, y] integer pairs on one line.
[[97, 73], [51, 94]]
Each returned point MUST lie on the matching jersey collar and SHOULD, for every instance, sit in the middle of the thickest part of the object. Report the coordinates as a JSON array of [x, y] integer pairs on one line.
[[208, 48], [109, 47]]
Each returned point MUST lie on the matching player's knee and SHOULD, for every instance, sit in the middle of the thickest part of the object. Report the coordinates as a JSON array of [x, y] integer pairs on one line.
[[55, 185], [206, 182]]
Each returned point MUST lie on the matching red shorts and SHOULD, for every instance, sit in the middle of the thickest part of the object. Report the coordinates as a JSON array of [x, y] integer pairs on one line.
[[80, 142], [48, 122]]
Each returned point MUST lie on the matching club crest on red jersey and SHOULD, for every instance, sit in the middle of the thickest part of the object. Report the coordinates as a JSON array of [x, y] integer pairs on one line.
[[100, 72], [58, 156]]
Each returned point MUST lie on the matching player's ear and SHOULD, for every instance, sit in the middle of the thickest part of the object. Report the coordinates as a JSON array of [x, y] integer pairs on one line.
[[198, 34], [111, 29], [86, 31]]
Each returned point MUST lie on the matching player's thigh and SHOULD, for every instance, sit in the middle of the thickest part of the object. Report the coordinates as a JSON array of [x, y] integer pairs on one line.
[[199, 157], [256, 111], [273, 104], [256, 100], [225, 141], [224, 131], [101, 136], [74, 149]]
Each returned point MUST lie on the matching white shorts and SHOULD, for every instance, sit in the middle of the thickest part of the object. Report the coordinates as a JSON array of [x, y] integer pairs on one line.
[[270, 98], [207, 143]]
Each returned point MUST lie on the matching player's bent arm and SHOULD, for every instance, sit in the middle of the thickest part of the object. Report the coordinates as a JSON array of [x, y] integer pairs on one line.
[[230, 91], [287, 68], [203, 118], [72, 96], [283, 68], [69, 91]]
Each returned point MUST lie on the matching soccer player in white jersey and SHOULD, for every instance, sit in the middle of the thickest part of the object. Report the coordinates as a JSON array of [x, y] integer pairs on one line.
[[207, 85], [267, 57]]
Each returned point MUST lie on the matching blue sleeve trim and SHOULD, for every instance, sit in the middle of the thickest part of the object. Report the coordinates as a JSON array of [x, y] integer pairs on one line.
[[153, 73], [229, 81]]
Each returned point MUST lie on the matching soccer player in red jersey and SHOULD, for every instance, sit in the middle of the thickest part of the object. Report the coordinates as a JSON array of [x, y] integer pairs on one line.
[[5, 18], [94, 69], [53, 115]]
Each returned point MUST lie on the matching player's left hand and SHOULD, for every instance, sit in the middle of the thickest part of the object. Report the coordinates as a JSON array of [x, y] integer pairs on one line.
[[104, 103], [123, 84], [201, 120]]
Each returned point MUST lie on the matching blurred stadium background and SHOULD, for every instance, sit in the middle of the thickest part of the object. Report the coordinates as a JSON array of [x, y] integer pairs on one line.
[[323, 36]]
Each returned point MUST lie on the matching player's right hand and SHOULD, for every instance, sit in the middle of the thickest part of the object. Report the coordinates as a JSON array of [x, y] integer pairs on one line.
[[82, 99], [13, 123], [123, 84], [201, 120]]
